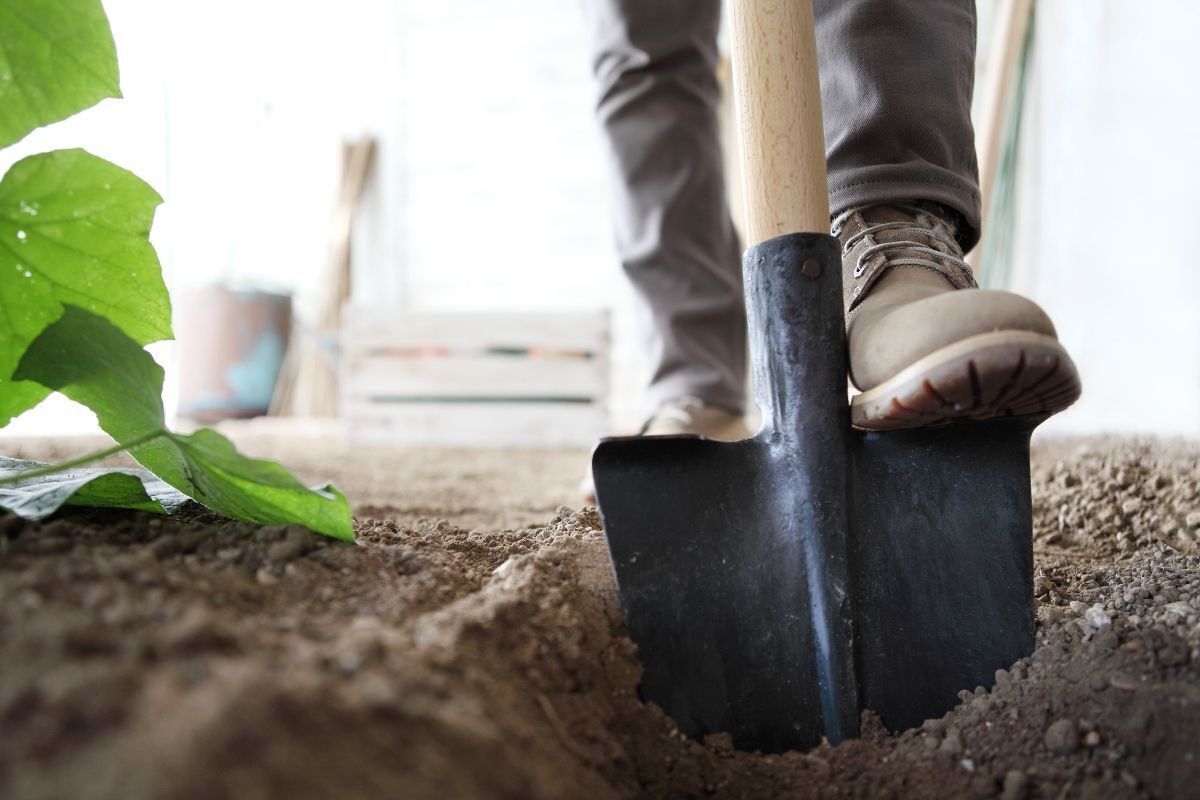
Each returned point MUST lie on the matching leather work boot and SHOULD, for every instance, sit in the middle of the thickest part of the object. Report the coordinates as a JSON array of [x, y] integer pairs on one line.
[[682, 415], [926, 345]]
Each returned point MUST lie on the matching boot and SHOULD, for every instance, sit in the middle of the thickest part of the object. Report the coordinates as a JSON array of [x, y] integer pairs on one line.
[[684, 415], [926, 345]]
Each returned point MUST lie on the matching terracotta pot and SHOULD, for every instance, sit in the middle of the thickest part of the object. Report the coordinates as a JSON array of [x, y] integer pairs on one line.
[[230, 348]]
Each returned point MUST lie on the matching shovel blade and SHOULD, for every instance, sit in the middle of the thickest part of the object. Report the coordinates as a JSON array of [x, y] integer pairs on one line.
[[712, 588], [714, 577], [941, 555]]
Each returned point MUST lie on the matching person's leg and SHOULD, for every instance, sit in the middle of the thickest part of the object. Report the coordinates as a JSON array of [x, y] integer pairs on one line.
[[896, 82], [655, 65]]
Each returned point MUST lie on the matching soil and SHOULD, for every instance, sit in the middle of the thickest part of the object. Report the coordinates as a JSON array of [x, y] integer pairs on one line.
[[469, 645]]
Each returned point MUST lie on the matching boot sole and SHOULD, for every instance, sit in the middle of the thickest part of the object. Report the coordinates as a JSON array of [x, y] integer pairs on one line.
[[997, 374]]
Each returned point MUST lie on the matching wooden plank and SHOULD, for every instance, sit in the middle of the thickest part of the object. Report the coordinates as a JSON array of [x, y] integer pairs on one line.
[[1010, 27], [477, 376], [475, 424], [475, 379], [367, 328]]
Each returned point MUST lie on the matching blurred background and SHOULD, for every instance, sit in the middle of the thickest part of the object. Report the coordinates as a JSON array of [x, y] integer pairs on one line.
[[391, 215]]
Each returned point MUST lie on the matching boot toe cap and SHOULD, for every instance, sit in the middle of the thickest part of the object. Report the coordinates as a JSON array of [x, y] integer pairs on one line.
[[884, 345]]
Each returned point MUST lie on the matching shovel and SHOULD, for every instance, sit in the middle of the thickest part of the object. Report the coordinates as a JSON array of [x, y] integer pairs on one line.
[[777, 587]]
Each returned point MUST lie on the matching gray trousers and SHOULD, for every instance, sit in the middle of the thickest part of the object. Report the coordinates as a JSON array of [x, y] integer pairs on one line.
[[896, 82]]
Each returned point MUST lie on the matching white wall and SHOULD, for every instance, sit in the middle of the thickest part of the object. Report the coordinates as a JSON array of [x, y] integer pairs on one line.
[[233, 110], [490, 191], [1110, 207]]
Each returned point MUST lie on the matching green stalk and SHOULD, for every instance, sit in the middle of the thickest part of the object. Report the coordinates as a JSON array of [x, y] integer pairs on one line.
[[50, 469]]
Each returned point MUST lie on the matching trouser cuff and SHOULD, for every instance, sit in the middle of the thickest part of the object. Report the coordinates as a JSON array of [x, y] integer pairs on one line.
[[897, 183]]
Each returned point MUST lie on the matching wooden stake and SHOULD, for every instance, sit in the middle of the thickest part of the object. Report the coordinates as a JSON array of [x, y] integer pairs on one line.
[[307, 384], [1008, 39]]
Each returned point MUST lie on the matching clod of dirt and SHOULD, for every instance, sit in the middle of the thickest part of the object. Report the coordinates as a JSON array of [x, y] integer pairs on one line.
[[952, 744], [197, 658], [1062, 737], [1015, 785]]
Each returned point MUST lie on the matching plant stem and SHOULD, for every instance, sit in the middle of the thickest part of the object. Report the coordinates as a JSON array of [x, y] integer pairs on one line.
[[50, 469]]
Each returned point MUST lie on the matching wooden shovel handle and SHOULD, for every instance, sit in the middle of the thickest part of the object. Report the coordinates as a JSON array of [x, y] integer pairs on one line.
[[777, 96]]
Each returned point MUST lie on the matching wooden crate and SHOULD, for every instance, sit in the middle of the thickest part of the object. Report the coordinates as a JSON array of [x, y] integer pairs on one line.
[[474, 379]]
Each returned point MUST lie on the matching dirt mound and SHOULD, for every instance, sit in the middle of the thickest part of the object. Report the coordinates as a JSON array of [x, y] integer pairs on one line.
[[196, 658]]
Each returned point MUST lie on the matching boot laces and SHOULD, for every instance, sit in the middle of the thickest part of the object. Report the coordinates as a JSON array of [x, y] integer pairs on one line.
[[915, 254]]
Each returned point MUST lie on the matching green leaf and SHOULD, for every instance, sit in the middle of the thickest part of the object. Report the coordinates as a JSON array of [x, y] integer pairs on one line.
[[39, 497], [92, 362], [57, 58], [74, 229], [17, 397]]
